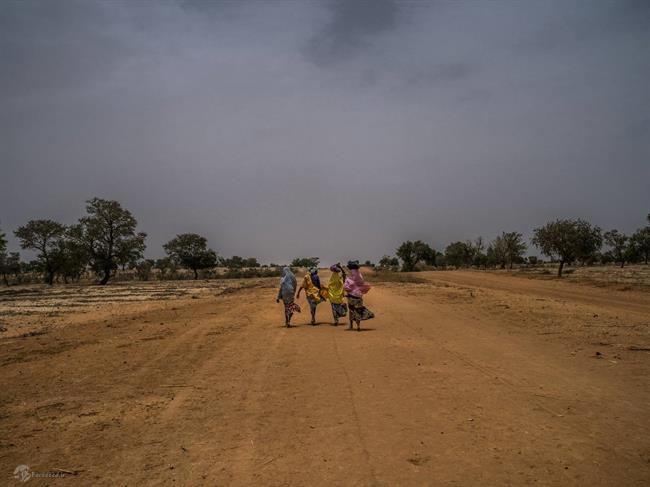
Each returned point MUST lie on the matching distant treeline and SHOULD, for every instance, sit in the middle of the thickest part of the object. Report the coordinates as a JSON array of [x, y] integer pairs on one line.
[[106, 241], [563, 241]]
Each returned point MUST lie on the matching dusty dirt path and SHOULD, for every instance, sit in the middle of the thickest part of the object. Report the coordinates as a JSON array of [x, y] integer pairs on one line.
[[464, 382]]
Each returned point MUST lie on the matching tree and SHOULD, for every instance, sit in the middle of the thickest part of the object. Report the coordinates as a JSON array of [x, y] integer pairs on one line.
[[640, 243], [514, 247], [45, 237], [191, 251], [72, 257], [412, 253], [3, 245], [3, 257], [388, 262], [618, 243], [568, 240], [251, 262], [143, 269], [108, 235], [235, 262], [498, 252], [10, 264], [459, 254], [305, 262], [166, 267]]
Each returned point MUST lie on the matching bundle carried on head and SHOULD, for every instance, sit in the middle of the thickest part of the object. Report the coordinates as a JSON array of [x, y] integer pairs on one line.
[[353, 264]]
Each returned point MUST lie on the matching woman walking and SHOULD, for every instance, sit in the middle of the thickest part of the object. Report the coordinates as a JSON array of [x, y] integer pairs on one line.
[[286, 292], [355, 287], [313, 291], [335, 293]]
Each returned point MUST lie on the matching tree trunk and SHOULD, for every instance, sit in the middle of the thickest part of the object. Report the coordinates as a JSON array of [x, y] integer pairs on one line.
[[511, 262], [622, 263], [559, 270], [49, 277], [196, 274], [107, 276]]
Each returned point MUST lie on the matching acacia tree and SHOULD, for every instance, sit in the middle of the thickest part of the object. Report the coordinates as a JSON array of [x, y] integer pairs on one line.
[[514, 247], [618, 243], [640, 242], [106, 233], [3, 244], [459, 254], [3, 255], [412, 253], [191, 251], [304, 262], [46, 237], [388, 262], [72, 256], [568, 240]]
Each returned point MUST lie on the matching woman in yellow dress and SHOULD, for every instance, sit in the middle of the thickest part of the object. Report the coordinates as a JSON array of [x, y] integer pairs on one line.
[[335, 293], [314, 291]]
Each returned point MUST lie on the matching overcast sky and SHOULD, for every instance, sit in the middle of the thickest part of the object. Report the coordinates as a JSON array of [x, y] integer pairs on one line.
[[333, 129]]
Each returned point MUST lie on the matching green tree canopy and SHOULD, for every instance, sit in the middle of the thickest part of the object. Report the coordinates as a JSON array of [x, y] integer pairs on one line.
[[108, 234], [388, 262], [568, 240], [640, 243], [46, 238], [618, 246], [411, 253], [459, 254], [514, 247], [305, 262], [191, 251]]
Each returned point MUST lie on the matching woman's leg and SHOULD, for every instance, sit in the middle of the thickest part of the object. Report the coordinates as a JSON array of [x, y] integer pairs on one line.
[[312, 308], [287, 314]]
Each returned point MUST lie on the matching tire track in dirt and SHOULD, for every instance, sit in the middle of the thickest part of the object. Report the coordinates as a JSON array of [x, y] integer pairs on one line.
[[355, 412]]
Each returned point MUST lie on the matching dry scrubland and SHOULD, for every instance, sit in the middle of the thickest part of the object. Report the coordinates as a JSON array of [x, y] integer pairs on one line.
[[629, 277], [464, 378]]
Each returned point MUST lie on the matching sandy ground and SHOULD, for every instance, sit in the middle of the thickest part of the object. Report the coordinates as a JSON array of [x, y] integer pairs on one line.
[[468, 378]]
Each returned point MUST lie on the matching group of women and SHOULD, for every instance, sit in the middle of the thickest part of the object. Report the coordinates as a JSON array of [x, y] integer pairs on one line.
[[340, 287]]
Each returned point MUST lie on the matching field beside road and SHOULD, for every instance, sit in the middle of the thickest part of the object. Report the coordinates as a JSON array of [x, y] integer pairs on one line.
[[463, 378]]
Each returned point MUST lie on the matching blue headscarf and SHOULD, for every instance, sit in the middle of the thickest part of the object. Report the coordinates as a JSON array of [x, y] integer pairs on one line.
[[287, 284], [313, 272]]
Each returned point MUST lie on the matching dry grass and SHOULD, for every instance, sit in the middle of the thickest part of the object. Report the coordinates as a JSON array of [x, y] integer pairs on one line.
[[627, 278], [29, 308], [390, 276]]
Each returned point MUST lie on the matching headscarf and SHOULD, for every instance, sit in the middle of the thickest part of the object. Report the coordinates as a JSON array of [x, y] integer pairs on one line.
[[335, 285], [355, 285], [353, 264], [287, 284], [313, 272]]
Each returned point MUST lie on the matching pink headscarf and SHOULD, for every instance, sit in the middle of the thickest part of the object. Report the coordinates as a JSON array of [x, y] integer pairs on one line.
[[355, 285]]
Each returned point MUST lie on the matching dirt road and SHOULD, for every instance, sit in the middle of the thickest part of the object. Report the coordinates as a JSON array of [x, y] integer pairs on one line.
[[465, 379]]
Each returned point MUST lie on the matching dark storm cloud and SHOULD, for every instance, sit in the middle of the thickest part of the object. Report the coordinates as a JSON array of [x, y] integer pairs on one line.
[[350, 27], [336, 129]]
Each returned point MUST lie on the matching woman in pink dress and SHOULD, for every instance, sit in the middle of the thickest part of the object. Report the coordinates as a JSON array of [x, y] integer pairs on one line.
[[355, 287]]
